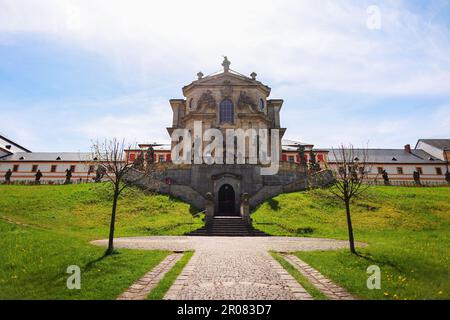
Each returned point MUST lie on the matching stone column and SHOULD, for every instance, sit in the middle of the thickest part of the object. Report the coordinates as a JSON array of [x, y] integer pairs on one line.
[[209, 208], [245, 208]]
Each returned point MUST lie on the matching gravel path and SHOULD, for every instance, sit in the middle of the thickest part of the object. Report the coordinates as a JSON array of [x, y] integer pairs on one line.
[[232, 267]]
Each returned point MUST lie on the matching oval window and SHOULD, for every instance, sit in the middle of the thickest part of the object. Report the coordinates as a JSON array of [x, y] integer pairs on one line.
[[261, 104]]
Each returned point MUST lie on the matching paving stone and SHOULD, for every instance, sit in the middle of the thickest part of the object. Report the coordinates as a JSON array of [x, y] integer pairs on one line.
[[228, 267]]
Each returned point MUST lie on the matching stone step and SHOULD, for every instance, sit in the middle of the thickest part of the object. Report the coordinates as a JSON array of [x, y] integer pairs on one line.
[[228, 227]]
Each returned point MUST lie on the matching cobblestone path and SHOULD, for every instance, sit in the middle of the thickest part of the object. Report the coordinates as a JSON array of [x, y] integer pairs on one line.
[[232, 267]]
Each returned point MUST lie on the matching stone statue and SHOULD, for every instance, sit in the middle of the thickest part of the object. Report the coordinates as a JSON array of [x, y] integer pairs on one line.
[[8, 175], [301, 153], [38, 177], [416, 177], [209, 208], [245, 207], [386, 178], [206, 101], [226, 64], [313, 165], [99, 174], [138, 163], [246, 101], [150, 155], [68, 176]]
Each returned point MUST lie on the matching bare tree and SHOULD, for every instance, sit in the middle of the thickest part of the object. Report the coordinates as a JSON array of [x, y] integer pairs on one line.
[[109, 155], [349, 177]]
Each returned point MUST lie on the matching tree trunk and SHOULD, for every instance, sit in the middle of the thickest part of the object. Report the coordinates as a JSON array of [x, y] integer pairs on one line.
[[112, 223], [350, 227]]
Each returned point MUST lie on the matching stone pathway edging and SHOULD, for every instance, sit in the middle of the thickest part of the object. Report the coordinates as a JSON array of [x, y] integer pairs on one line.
[[181, 280], [141, 289], [297, 289], [325, 285]]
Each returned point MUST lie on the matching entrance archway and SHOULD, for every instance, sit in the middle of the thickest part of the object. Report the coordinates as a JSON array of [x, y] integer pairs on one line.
[[226, 203]]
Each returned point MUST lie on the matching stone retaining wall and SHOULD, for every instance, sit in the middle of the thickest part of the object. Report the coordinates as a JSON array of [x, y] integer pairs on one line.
[[190, 183]]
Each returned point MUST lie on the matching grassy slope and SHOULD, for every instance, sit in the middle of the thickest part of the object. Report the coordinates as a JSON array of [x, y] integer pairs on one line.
[[44, 229], [407, 229]]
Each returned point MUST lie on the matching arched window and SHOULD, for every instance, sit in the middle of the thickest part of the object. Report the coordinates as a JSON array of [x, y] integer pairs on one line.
[[226, 111], [191, 103]]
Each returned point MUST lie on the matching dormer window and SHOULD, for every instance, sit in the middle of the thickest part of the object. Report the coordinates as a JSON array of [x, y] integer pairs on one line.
[[261, 104], [21, 158], [8, 146], [59, 158], [394, 159]]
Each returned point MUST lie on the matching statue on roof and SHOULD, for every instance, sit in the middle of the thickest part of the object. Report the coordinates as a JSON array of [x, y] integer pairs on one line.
[[226, 64]]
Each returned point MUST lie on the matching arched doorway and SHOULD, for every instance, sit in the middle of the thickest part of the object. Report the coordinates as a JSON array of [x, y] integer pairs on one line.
[[226, 203]]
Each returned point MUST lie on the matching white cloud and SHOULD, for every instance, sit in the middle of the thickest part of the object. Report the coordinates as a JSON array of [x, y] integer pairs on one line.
[[134, 127], [297, 47], [319, 45], [72, 125], [335, 128]]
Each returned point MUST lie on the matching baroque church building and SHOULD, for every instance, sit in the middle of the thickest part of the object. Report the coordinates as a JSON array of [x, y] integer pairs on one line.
[[222, 101]]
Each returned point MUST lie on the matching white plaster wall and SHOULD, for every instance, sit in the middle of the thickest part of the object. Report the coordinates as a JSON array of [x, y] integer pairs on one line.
[[25, 171]]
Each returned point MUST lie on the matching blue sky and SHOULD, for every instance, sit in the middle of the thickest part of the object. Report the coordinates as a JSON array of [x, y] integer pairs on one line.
[[75, 71]]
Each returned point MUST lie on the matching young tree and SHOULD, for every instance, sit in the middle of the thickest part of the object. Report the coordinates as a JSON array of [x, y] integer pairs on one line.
[[109, 155], [349, 177]]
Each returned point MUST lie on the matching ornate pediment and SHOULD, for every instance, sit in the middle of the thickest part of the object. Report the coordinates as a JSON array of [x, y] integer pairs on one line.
[[228, 80]]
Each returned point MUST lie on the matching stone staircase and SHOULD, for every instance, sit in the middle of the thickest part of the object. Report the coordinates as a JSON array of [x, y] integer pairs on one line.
[[228, 227]]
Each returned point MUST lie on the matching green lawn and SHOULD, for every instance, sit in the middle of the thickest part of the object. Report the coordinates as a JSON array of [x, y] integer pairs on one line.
[[44, 229], [407, 229]]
